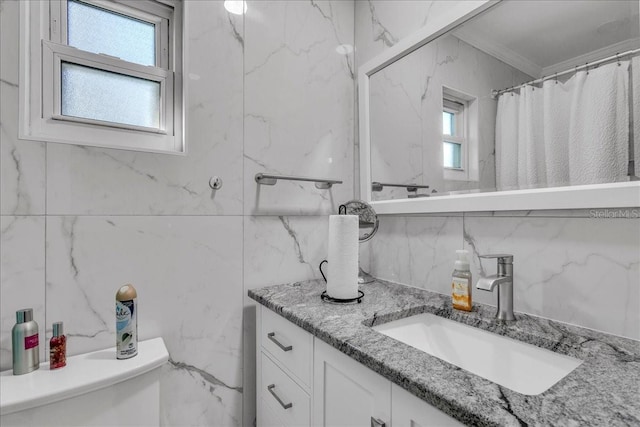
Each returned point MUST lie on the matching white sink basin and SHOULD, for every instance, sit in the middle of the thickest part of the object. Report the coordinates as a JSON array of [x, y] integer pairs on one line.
[[519, 366]]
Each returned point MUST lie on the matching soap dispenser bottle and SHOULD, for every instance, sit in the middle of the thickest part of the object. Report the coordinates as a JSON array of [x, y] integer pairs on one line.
[[461, 283]]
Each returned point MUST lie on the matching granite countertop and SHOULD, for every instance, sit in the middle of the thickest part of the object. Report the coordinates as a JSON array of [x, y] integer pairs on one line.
[[603, 390]]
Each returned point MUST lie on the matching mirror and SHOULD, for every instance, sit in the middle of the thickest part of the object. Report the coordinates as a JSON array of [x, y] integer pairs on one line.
[[367, 225], [523, 96], [367, 218]]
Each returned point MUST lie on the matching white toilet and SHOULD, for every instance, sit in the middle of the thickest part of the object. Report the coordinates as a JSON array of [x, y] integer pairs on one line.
[[94, 389]]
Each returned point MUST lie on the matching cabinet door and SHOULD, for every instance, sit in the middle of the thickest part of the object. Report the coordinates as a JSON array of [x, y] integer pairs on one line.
[[346, 393], [410, 411], [266, 416]]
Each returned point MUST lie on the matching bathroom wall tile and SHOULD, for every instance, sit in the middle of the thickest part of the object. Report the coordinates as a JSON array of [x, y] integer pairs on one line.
[[417, 251], [381, 24], [84, 180], [299, 104], [276, 250], [190, 396], [22, 267], [188, 273], [576, 270], [282, 249], [396, 96], [22, 163]]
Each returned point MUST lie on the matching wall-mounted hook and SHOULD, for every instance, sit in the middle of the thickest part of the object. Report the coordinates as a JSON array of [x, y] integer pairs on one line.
[[215, 182]]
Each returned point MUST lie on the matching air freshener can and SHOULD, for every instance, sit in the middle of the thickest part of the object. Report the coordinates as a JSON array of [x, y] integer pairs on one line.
[[126, 322]]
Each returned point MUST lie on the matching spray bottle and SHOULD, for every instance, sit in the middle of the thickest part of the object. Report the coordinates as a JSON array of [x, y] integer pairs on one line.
[[126, 322]]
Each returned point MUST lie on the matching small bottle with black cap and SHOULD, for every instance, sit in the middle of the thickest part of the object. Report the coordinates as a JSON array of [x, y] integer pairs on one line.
[[58, 347]]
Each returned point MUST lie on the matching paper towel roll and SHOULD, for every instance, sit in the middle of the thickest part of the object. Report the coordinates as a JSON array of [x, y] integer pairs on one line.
[[342, 280]]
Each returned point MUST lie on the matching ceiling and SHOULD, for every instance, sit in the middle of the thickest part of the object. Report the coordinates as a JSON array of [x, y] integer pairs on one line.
[[542, 37]]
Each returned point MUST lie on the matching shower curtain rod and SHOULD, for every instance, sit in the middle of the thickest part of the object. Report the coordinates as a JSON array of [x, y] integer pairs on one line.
[[617, 56]]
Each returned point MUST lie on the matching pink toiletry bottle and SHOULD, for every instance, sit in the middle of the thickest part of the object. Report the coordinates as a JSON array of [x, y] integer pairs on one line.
[[58, 347]]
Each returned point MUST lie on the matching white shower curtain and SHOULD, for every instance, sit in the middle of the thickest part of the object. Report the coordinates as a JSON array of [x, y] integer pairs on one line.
[[531, 164], [506, 142], [568, 133]]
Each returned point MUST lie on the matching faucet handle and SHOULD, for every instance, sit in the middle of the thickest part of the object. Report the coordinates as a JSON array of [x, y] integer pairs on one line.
[[502, 258]]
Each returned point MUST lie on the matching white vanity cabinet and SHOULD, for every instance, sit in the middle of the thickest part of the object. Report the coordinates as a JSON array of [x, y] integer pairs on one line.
[[302, 381], [284, 371], [411, 411], [346, 393]]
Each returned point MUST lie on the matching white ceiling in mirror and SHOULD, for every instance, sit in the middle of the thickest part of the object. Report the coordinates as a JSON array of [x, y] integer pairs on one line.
[[509, 31], [541, 38]]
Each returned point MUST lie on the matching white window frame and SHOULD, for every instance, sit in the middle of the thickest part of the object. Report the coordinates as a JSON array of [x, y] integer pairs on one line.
[[458, 108], [465, 106], [43, 49]]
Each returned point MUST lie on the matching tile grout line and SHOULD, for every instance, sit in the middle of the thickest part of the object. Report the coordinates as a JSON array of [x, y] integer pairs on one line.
[[242, 275], [242, 219], [46, 189]]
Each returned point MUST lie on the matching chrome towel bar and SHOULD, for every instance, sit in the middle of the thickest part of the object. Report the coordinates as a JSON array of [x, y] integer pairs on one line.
[[323, 184], [378, 186]]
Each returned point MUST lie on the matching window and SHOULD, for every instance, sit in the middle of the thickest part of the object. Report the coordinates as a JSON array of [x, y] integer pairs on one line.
[[453, 133], [460, 135], [103, 72]]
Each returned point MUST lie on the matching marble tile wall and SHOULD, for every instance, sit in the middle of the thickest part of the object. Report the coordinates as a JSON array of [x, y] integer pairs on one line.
[[584, 271], [579, 270], [299, 120], [22, 262], [189, 292], [266, 92], [569, 265], [381, 24], [22, 165], [88, 181]]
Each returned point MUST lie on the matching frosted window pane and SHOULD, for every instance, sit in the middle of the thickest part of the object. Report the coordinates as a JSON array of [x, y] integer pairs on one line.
[[452, 155], [101, 95], [97, 30]]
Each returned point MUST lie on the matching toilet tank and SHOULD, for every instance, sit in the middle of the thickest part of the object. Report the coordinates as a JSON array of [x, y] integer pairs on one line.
[[94, 389]]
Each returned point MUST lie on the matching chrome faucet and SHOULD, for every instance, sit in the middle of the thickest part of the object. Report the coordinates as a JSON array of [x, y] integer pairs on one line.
[[504, 281]]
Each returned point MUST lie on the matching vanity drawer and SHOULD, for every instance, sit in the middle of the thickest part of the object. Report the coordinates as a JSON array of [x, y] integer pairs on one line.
[[290, 345], [282, 398], [267, 416]]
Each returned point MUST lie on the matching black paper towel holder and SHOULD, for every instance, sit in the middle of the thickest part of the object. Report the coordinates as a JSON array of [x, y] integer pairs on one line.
[[325, 297]]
